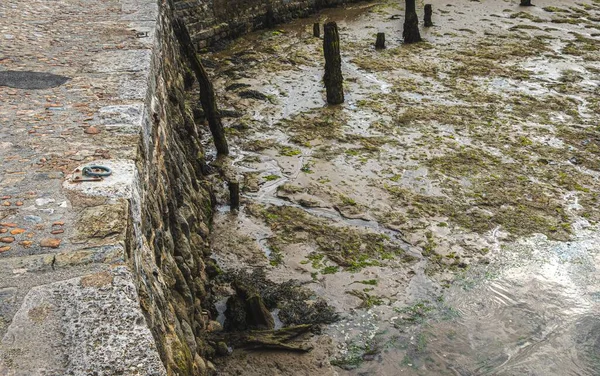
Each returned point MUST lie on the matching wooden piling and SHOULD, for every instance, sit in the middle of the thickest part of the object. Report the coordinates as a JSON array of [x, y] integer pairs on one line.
[[333, 64], [234, 194], [317, 30], [411, 23], [207, 92], [526, 3], [428, 13], [380, 42], [270, 17]]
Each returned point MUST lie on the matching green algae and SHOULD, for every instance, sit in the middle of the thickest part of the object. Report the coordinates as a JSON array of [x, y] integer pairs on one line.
[[349, 248], [555, 9], [310, 125], [367, 300], [289, 151]]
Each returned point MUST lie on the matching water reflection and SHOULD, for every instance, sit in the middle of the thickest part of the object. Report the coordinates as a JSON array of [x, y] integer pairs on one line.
[[535, 314]]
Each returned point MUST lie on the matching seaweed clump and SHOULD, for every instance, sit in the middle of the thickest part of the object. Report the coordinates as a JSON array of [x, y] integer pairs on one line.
[[256, 297]]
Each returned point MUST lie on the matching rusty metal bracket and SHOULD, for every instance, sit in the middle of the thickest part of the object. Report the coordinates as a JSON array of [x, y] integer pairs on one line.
[[79, 179], [82, 175]]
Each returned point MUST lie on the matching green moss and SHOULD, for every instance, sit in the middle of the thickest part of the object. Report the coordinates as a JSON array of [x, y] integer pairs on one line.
[[182, 357], [583, 46], [364, 261], [488, 58]]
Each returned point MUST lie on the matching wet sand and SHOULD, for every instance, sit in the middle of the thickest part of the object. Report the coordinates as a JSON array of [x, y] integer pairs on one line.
[[448, 209]]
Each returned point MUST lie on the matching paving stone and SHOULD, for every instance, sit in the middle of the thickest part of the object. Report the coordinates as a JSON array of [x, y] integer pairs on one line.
[[87, 323], [61, 64]]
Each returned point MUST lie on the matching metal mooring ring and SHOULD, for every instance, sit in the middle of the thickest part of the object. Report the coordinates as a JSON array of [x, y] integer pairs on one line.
[[96, 171]]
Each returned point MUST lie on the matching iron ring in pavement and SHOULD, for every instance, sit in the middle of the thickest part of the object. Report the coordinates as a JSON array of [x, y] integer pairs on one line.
[[96, 171]]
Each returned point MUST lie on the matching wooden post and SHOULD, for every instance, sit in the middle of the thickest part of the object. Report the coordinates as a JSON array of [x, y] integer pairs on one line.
[[257, 314], [316, 30], [207, 92], [428, 13], [234, 194], [526, 3], [291, 338], [411, 23], [380, 42], [270, 17], [333, 64]]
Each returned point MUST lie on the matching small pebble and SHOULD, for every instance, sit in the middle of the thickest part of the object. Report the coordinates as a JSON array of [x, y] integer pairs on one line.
[[50, 243], [32, 218]]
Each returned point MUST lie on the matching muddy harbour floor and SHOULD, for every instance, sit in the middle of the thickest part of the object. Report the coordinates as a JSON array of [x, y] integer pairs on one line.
[[448, 210]]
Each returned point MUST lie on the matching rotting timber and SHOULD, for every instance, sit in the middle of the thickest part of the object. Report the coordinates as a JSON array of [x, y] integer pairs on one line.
[[293, 338], [411, 32], [207, 92], [334, 81], [428, 13]]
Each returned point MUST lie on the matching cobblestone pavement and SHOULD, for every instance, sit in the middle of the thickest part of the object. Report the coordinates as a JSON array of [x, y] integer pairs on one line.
[[51, 229]]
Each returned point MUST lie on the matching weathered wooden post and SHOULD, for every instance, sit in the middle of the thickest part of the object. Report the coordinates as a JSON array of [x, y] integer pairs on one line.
[[207, 92], [526, 3], [269, 16], [333, 64], [234, 194], [428, 13], [316, 30], [380, 42], [411, 23]]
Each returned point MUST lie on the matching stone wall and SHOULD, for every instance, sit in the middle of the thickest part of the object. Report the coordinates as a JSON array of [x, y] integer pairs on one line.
[[172, 204], [172, 213], [210, 21]]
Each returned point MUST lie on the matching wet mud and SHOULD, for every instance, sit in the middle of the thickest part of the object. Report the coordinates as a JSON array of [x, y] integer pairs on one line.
[[448, 210]]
